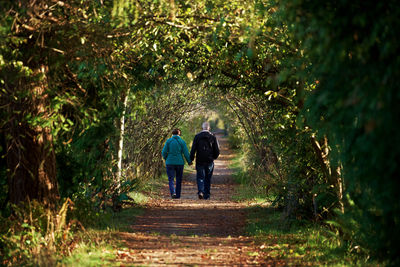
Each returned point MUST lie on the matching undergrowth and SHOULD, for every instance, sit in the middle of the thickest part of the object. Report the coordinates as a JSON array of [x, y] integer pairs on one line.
[[298, 243], [35, 236]]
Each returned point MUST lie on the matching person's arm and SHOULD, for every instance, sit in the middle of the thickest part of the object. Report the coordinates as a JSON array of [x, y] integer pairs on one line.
[[164, 152], [186, 152], [215, 148], [193, 150]]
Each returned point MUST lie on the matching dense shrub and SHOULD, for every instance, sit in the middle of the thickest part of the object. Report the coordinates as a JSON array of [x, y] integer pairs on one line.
[[351, 49]]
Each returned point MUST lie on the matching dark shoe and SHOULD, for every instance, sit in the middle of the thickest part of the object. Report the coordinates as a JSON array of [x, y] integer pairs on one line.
[[201, 196], [174, 196]]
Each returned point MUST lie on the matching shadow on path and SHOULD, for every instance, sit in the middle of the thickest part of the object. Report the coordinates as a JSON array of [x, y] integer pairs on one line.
[[194, 232]]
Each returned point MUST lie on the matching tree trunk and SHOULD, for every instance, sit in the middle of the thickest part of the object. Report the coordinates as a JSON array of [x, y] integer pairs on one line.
[[332, 174], [31, 161], [338, 181], [121, 142]]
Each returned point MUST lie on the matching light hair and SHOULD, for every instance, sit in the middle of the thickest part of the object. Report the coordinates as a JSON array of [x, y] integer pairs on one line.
[[205, 126]]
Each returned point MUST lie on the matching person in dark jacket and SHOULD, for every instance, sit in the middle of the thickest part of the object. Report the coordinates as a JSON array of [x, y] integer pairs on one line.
[[172, 154], [205, 148]]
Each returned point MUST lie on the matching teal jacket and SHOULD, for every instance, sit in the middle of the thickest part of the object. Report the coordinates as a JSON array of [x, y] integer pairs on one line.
[[173, 150]]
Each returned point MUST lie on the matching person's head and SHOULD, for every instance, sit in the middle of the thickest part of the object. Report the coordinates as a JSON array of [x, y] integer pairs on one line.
[[205, 126], [176, 131]]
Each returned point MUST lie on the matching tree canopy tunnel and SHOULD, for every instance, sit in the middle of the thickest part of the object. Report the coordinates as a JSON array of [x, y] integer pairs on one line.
[[67, 69], [81, 83], [308, 90]]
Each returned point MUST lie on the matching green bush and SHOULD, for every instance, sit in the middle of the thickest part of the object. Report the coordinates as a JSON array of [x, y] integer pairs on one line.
[[351, 53], [33, 234]]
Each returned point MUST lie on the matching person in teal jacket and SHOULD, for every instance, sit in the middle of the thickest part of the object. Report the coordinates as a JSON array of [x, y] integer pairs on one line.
[[172, 154]]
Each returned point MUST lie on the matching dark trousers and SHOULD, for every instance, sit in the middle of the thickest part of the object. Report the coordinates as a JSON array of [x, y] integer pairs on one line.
[[204, 174], [175, 171]]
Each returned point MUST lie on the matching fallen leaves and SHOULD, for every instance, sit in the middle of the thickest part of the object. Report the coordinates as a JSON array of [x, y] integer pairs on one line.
[[192, 232]]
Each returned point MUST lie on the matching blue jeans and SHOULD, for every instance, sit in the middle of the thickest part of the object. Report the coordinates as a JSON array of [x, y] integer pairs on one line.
[[172, 172], [204, 174]]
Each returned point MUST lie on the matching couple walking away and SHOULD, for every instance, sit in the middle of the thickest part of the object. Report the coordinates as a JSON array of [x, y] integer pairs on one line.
[[205, 149]]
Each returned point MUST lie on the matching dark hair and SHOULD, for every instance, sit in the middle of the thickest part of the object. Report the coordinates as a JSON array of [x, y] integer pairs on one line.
[[176, 131]]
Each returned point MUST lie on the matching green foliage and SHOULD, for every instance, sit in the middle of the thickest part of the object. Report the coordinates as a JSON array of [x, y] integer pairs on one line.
[[32, 234], [295, 183], [351, 49], [301, 243], [95, 254], [97, 245], [234, 137], [303, 88], [151, 116], [253, 79], [3, 188]]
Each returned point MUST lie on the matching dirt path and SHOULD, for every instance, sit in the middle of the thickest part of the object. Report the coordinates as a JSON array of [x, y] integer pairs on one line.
[[194, 232]]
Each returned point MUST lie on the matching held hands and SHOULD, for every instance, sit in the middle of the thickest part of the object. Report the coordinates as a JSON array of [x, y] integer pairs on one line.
[[190, 163]]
